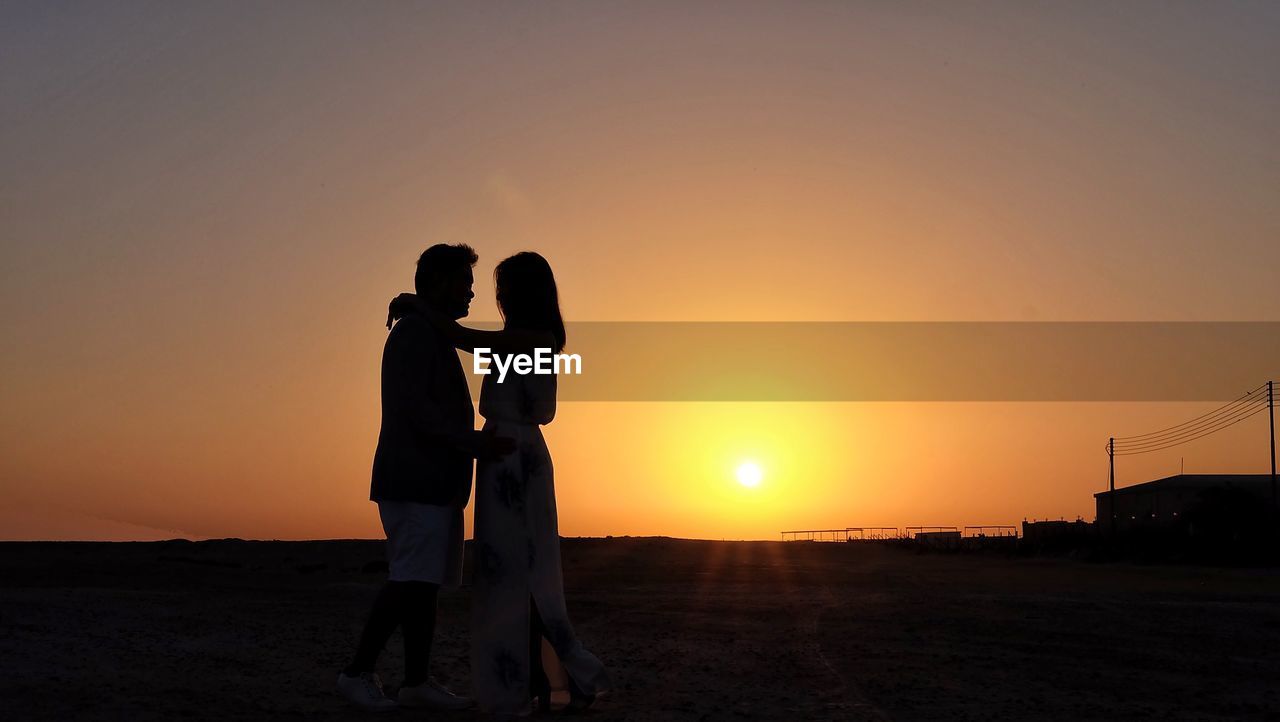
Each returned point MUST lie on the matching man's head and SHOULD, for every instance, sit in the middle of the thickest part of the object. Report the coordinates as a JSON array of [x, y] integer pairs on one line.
[[444, 279]]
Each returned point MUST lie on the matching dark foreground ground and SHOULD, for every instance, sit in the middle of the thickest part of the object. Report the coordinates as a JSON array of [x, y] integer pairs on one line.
[[690, 630]]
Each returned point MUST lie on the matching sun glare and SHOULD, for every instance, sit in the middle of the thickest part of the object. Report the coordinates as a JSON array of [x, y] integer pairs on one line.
[[750, 473]]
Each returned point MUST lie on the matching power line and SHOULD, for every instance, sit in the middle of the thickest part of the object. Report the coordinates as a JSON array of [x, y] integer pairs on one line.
[[1245, 398], [1196, 432], [1206, 420], [1208, 426], [1192, 432], [1131, 452]]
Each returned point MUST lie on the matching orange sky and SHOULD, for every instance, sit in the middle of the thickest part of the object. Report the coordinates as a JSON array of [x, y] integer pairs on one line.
[[206, 208]]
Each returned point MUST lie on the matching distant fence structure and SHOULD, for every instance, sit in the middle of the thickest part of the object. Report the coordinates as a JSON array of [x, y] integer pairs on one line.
[[869, 533], [998, 530], [929, 534], [848, 534], [916, 532], [816, 535]]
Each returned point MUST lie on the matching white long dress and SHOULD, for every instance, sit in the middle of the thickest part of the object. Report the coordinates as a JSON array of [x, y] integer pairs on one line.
[[517, 552]]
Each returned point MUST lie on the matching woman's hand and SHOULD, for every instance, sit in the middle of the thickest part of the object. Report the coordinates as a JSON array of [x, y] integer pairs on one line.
[[401, 306], [407, 303]]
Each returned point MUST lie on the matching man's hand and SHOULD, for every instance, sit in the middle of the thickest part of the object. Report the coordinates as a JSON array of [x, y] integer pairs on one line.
[[488, 445]]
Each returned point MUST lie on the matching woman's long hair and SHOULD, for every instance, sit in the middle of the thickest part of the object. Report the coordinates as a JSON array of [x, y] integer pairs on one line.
[[527, 296]]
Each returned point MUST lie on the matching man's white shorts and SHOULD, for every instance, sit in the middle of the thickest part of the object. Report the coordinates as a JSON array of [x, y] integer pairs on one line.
[[424, 542]]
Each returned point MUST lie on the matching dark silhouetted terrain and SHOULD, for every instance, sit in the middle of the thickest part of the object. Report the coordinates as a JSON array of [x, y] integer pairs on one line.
[[690, 630]]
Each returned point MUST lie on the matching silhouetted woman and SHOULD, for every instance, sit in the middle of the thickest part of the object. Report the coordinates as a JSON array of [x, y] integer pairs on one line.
[[518, 587]]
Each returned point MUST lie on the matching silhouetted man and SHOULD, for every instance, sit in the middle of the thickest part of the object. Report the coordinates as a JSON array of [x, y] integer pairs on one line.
[[422, 473]]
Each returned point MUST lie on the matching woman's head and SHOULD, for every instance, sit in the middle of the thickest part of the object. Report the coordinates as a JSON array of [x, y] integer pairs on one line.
[[527, 296]]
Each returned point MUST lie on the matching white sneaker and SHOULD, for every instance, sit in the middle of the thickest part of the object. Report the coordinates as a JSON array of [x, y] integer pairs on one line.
[[434, 695], [365, 692]]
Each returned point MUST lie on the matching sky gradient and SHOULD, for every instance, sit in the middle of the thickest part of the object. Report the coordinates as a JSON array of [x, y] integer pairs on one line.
[[205, 208]]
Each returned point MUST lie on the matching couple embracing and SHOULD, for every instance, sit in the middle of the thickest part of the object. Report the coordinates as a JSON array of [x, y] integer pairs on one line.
[[422, 481]]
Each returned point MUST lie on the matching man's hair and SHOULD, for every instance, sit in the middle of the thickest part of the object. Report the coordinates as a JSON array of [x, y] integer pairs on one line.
[[441, 260]]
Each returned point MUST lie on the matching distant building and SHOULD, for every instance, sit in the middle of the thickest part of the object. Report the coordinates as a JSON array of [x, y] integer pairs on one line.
[[1060, 533], [1184, 500], [936, 538]]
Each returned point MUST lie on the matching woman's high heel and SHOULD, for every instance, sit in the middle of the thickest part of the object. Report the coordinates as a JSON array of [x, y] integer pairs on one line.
[[579, 701], [540, 688]]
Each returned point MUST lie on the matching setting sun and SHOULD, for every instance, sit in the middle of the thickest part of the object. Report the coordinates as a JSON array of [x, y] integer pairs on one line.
[[750, 474]]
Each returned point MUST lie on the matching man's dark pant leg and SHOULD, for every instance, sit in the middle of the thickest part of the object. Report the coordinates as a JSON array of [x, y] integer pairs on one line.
[[383, 619], [410, 606], [418, 622]]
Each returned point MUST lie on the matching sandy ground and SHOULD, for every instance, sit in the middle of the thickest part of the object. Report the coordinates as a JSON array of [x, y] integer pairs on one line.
[[690, 631]]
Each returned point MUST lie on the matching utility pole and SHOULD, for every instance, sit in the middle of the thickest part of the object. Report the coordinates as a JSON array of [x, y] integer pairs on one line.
[[1271, 412], [1111, 498]]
